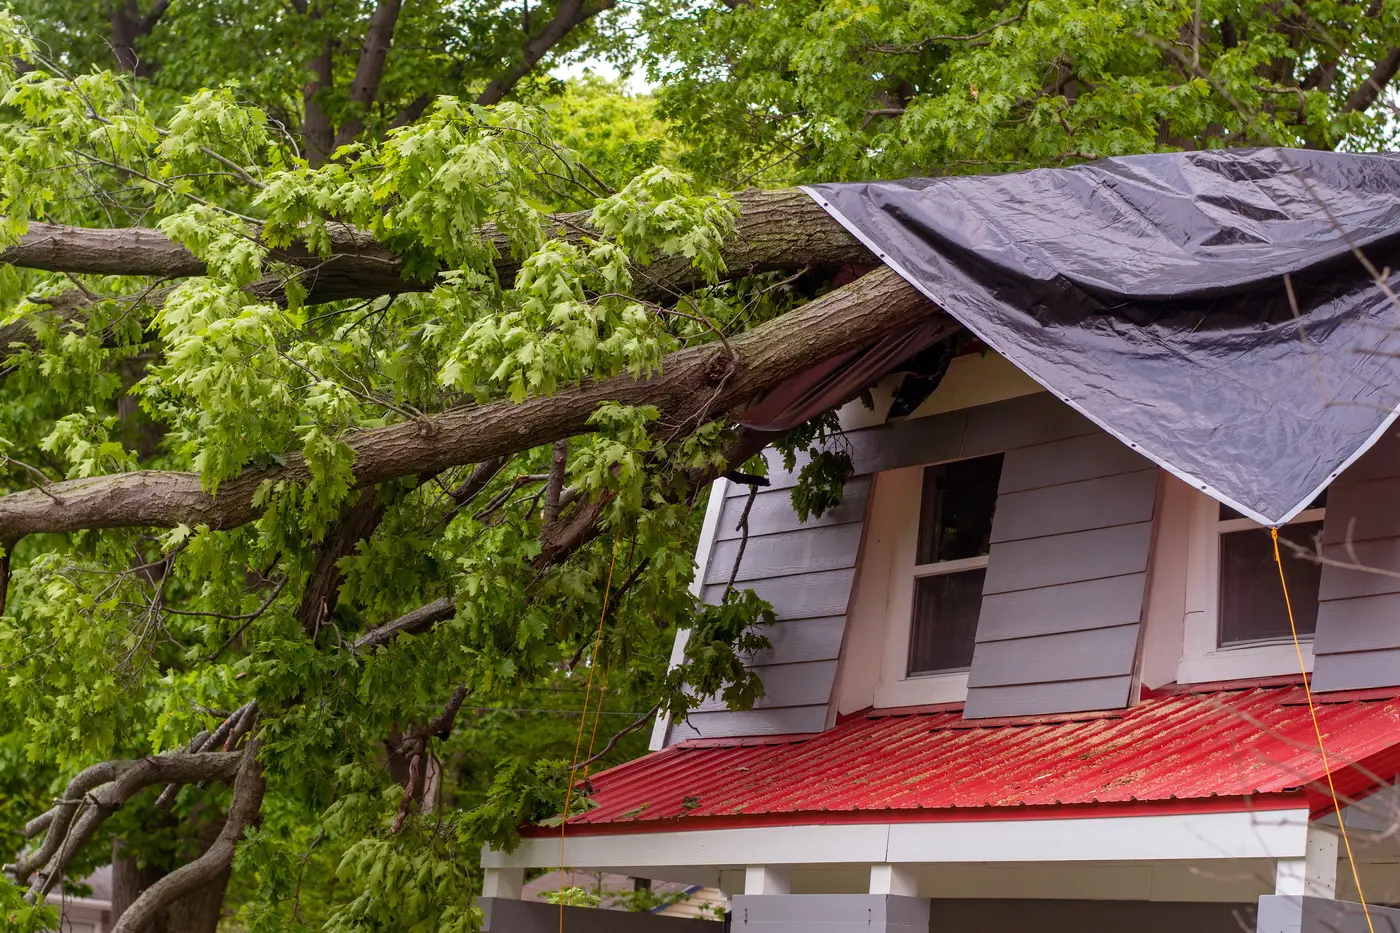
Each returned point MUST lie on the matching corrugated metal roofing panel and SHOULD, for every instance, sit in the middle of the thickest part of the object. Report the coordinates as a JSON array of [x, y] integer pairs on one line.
[[1183, 747]]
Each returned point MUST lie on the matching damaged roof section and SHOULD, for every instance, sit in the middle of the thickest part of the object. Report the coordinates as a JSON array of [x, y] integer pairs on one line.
[[1230, 314]]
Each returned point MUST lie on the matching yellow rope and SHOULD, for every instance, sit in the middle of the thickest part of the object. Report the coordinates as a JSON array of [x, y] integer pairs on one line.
[[1317, 731], [582, 721]]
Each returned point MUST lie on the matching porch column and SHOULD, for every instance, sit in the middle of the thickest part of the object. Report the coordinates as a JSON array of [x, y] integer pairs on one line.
[[767, 879], [893, 879], [1305, 892], [890, 907], [505, 883], [1313, 875]]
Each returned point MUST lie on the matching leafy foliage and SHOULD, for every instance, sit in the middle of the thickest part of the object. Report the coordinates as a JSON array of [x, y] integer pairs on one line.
[[118, 642]]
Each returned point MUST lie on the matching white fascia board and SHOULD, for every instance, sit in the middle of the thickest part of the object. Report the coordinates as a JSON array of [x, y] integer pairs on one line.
[[708, 529], [1258, 834], [784, 845]]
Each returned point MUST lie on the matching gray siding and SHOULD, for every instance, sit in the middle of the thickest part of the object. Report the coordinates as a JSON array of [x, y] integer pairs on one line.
[[805, 570], [1068, 567], [1066, 579], [1358, 615], [1073, 916]]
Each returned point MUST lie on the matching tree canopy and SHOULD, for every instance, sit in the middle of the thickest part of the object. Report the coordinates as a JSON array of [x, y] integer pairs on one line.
[[361, 384]]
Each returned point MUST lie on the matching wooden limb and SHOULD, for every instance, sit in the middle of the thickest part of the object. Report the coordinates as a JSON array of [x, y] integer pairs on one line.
[[775, 230], [244, 811], [568, 16], [695, 385], [559, 462], [364, 88], [318, 135], [322, 590], [410, 623], [1375, 82], [416, 746], [96, 793]]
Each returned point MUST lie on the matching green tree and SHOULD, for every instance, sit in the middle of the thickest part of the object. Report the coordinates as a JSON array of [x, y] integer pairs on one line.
[[331, 447]]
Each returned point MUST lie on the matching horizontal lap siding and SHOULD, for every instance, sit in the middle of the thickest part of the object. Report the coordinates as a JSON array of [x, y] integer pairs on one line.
[[1066, 579], [806, 569], [1358, 615]]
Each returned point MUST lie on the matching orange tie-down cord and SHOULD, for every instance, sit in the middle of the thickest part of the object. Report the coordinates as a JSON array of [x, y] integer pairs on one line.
[[1317, 731]]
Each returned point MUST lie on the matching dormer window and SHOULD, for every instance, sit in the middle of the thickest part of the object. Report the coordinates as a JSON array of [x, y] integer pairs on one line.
[[1252, 609], [1236, 620], [955, 531]]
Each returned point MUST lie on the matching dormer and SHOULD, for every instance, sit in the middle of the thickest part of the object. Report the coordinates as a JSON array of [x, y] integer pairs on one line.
[[998, 552]]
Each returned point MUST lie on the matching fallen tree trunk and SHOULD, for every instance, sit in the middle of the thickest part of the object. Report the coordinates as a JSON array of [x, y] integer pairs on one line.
[[775, 230], [695, 385]]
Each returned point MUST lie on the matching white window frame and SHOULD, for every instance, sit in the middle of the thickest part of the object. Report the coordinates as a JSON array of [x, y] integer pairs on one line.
[[1202, 658], [897, 687]]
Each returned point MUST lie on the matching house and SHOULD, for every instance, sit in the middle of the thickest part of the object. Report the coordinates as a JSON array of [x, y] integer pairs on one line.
[[91, 914], [1024, 677]]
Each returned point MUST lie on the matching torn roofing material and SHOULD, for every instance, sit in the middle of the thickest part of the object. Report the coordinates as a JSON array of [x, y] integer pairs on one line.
[[1241, 749], [1209, 309]]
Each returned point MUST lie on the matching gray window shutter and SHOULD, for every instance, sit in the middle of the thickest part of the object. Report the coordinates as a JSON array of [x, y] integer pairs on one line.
[[1066, 579], [1358, 615], [805, 570]]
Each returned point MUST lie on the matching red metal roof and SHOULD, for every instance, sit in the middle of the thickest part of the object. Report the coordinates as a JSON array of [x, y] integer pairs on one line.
[[1227, 749]]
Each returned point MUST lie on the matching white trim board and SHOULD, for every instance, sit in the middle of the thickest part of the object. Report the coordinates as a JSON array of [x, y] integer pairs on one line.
[[1164, 837]]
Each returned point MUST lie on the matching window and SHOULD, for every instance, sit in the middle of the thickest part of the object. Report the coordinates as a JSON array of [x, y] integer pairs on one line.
[[1236, 623], [955, 531], [1252, 608]]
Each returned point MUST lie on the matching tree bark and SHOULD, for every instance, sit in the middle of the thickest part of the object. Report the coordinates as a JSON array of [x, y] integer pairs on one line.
[[695, 385], [128, 27], [1374, 84], [168, 894], [569, 15], [317, 131], [322, 592], [775, 230], [364, 89]]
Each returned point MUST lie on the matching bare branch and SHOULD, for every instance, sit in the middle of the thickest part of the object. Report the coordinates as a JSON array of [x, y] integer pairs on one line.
[[559, 462], [96, 793], [410, 623]]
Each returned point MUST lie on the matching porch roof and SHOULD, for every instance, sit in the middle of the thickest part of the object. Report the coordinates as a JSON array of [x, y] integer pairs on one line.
[[1228, 748]]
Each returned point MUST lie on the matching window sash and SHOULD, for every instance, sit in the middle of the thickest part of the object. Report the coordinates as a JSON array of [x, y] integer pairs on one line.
[[1234, 525], [950, 566]]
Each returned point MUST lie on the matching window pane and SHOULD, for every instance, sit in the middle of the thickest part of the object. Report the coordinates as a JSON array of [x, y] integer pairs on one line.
[[955, 517], [1251, 599], [944, 629]]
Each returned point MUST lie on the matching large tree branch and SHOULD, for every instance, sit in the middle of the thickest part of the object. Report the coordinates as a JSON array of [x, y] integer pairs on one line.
[[128, 26], [322, 592], [96, 793], [1374, 84], [775, 230], [243, 812], [364, 88], [562, 540], [568, 16], [695, 385], [317, 131]]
